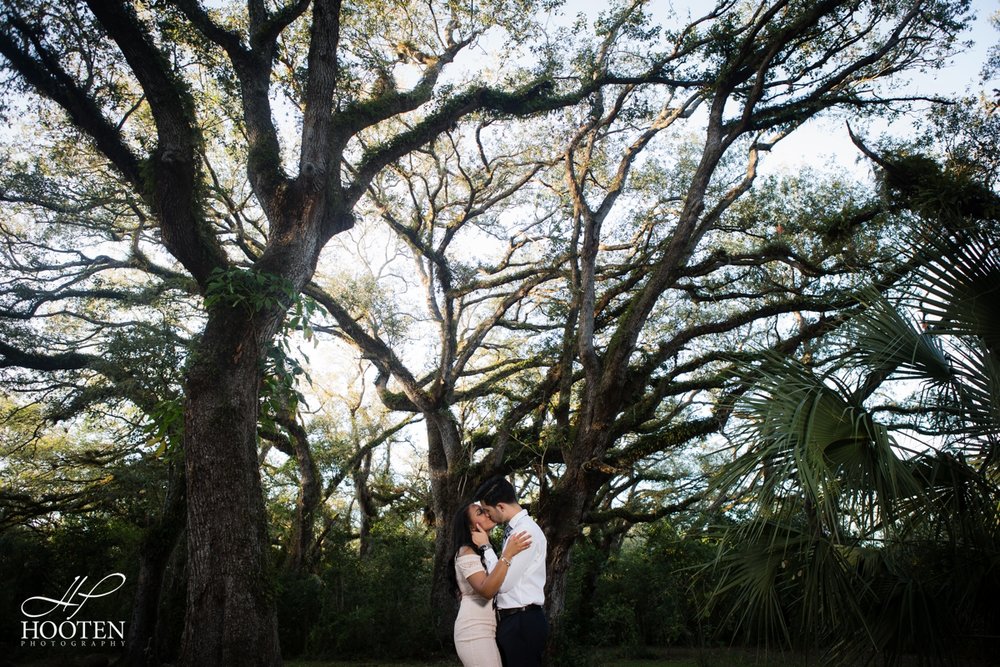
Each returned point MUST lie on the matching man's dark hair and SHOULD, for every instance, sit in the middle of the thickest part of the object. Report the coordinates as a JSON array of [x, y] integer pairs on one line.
[[496, 490]]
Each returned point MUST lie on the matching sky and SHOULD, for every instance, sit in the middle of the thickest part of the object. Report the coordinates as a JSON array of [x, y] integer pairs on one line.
[[825, 141]]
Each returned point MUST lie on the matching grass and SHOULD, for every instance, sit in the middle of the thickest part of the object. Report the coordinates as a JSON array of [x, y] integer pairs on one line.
[[614, 657], [656, 657], [646, 657]]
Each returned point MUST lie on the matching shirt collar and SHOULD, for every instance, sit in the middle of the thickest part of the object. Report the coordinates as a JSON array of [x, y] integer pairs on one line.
[[517, 518]]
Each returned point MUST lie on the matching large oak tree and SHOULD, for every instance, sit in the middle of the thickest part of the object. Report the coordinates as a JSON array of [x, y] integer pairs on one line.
[[150, 91], [664, 261]]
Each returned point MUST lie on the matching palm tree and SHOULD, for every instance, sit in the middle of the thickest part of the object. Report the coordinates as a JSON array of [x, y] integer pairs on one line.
[[871, 525]]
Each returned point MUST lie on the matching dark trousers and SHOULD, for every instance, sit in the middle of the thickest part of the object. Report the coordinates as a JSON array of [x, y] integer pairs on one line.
[[521, 638]]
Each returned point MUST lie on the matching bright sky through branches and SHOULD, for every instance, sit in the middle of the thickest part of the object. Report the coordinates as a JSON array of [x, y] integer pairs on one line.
[[822, 142]]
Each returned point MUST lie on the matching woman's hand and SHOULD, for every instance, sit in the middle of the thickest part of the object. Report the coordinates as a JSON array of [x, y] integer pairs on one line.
[[516, 544], [480, 536], [487, 585]]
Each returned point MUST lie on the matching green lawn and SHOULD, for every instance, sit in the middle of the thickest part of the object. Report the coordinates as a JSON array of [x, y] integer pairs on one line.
[[679, 657], [651, 657]]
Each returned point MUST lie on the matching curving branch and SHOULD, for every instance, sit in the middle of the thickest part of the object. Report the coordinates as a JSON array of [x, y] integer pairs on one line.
[[14, 357], [45, 74], [175, 163]]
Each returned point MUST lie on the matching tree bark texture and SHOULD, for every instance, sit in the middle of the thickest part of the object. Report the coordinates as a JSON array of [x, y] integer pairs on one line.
[[157, 547], [231, 618], [449, 491], [308, 501], [560, 515], [366, 505]]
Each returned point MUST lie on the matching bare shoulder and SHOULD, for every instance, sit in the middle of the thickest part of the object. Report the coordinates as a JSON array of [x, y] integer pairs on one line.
[[466, 551]]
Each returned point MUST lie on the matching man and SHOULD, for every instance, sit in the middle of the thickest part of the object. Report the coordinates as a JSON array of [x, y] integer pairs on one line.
[[521, 625]]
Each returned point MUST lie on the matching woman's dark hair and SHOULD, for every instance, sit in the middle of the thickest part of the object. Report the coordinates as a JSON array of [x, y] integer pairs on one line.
[[461, 536]]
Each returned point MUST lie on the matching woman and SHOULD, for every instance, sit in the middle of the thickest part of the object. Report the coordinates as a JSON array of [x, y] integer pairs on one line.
[[476, 625]]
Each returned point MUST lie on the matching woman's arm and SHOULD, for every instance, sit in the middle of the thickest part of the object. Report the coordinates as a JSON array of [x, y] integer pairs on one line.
[[487, 585]]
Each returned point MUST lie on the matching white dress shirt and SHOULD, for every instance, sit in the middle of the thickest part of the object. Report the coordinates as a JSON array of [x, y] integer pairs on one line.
[[525, 580]]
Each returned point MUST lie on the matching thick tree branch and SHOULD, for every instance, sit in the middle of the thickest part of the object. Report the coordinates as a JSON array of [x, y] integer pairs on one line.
[[48, 78], [531, 99], [13, 357], [175, 162]]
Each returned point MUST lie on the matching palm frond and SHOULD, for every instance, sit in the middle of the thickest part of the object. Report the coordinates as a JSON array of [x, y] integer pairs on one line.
[[884, 338], [959, 286], [872, 551], [804, 431]]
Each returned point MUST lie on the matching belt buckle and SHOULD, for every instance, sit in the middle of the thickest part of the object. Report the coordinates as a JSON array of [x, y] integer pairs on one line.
[[510, 611]]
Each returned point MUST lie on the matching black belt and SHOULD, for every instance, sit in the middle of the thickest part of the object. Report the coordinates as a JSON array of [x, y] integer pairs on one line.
[[502, 613]]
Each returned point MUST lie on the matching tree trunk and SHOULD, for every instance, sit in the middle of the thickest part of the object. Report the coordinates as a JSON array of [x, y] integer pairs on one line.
[[308, 501], [366, 504], [173, 594], [231, 617], [563, 506], [448, 493], [157, 547], [560, 516]]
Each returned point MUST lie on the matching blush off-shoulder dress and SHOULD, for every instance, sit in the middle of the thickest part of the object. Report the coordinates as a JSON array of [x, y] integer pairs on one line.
[[476, 625]]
